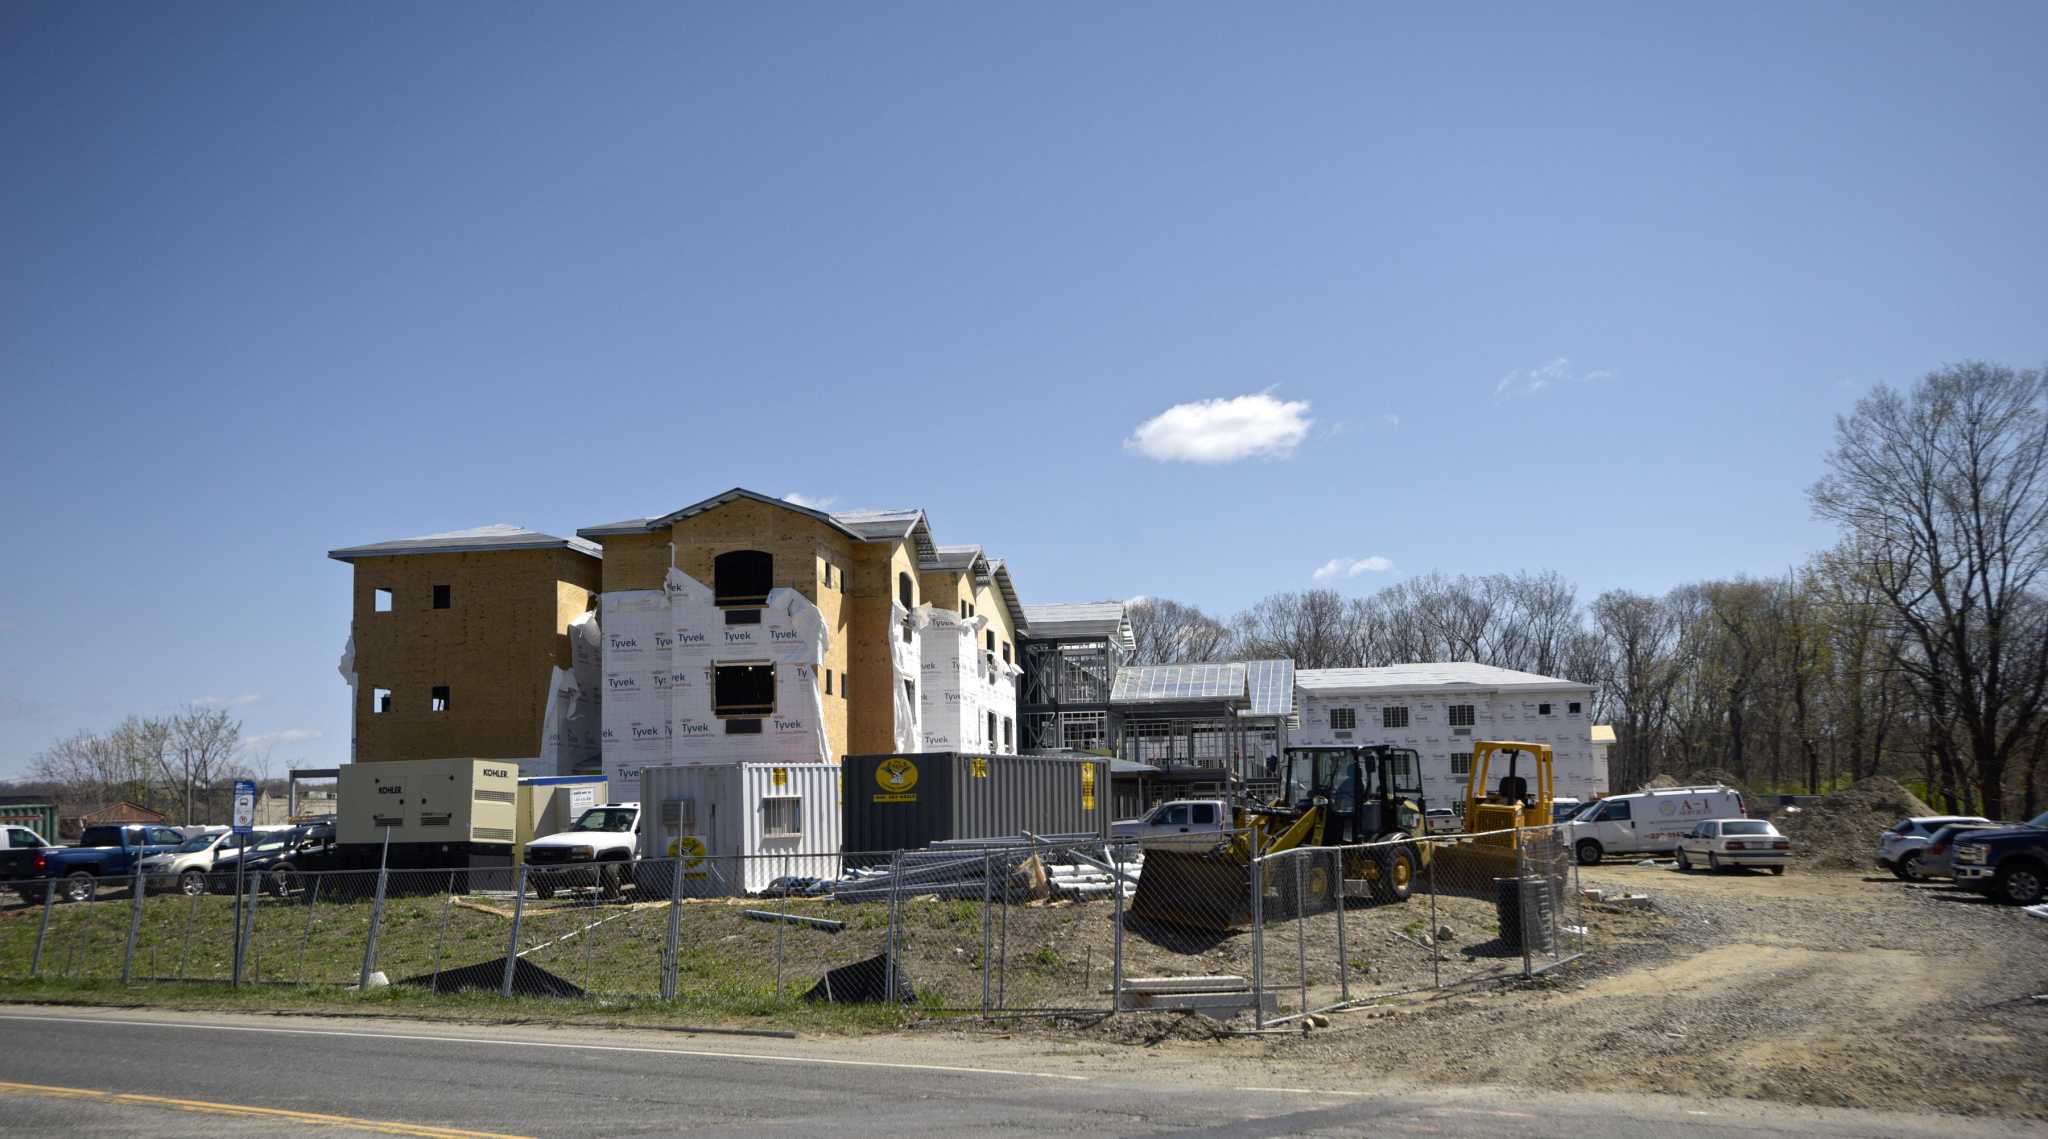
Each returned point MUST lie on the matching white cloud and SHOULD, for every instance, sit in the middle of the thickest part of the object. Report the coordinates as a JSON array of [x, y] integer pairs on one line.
[[1527, 383], [1352, 567], [807, 502], [286, 736], [1223, 430], [238, 701]]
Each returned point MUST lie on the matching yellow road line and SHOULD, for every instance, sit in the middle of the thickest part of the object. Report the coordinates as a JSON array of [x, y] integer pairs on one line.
[[310, 1117]]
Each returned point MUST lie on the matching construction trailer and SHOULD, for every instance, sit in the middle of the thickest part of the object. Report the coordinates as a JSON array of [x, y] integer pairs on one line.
[[432, 813], [734, 828], [906, 801], [549, 803]]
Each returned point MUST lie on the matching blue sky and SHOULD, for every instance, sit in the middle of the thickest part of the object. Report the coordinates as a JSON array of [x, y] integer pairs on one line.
[[1576, 287]]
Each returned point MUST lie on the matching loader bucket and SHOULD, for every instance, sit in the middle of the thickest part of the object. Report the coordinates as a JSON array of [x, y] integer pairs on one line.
[[1195, 889]]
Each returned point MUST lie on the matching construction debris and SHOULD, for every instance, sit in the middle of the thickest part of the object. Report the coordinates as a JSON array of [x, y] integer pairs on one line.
[[826, 924]]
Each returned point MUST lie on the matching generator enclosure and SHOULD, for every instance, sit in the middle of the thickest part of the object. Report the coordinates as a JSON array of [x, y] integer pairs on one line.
[[549, 803], [906, 801], [734, 828], [440, 813]]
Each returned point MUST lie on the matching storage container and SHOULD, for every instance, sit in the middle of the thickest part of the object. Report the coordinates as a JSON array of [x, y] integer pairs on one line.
[[906, 801]]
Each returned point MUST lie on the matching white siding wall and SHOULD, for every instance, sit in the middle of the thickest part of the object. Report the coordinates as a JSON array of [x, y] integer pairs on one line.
[[1496, 716]]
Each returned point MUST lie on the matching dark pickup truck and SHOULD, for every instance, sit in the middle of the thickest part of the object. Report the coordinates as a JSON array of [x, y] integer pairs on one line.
[[2008, 864], [104, 852]]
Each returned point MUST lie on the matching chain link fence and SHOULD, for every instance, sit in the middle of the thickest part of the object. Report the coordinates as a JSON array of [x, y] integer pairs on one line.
[[971, 929]]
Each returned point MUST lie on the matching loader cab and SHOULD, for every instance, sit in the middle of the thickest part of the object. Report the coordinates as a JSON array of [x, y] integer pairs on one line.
[[1369, 792]]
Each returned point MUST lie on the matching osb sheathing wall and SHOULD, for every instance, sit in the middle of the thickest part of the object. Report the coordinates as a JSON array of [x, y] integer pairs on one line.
[[802, 548], [506, 626], [875, 572]]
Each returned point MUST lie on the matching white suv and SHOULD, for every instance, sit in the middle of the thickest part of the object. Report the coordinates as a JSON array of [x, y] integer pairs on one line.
[[1900, 849]]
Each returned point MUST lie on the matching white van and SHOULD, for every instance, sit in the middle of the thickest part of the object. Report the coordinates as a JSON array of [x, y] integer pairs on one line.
[[1648, 822]]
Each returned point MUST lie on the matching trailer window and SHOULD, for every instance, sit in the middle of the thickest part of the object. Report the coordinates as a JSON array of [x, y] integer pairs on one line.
[[782, 816]]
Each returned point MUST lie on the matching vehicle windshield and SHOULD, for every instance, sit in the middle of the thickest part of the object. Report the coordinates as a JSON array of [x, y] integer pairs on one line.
[[1738, 826], [615, 820], [277, 842], [2040, 820], [196, 843], [1578, 809]]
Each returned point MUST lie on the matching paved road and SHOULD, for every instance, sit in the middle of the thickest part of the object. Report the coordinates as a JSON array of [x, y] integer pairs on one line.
[[166, 1075]]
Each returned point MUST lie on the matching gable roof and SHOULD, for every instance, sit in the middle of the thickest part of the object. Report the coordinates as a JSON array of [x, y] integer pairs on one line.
[[478, 539], [1446, 675], [1081, 620], [861, 525]]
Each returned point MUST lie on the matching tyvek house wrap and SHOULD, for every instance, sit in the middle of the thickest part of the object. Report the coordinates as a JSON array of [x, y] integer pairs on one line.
[[959, 690], [634, 714], [347, 668], [904, 660], [791, 636]]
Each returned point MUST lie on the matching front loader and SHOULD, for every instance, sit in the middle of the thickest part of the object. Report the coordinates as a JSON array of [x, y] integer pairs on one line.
[[1331, 797]]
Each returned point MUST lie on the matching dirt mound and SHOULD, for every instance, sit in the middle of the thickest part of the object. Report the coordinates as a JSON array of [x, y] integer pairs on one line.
[[1660, 781], [1840, 831], [1707, 776]]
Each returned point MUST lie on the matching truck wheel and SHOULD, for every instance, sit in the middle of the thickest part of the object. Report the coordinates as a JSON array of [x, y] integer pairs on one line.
[[543, 890], [1909, 867], [1713, 863], [283, 880], [1589, 853], [2022, 885], [608, 877], [192, 883], [80, 887], [1778, 871], [1684, 863]]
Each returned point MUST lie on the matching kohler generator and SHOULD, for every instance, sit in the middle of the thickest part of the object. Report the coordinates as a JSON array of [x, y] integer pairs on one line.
[[436, 814]]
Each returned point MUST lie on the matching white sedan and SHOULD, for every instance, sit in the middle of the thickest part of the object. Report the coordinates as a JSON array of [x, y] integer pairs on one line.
[[1734, 842]]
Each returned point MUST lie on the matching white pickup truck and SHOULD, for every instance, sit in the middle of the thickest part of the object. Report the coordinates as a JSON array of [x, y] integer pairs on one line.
[[598, 849], [1177, 822]]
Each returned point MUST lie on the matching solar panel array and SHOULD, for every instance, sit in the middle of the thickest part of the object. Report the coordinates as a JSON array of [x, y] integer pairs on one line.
[[1160, 683]]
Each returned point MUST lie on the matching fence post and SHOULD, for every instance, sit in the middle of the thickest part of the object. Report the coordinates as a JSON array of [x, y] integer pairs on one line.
[[512, 944], [1343, 903], [1436, 957], [988, 886], [895, 904], [1116, 883], [1258, 887], [35, 961], [672, 948], [185, 942], [306, 940], [370, 943], [781, 925], [141, 887], [1523, 896], [245, 925], [1301, 925]]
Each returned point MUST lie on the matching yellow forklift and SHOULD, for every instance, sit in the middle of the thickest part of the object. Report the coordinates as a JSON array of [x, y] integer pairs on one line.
[[1339, 797], [1496, 814]]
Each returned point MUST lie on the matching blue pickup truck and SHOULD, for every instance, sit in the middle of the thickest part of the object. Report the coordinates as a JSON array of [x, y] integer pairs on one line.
[[104, 852]]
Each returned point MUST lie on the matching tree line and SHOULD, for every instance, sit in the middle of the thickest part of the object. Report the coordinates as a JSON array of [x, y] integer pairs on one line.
[[184, 764], [1916, 647]]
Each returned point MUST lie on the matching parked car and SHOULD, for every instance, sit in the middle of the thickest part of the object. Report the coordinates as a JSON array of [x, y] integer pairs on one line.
[[1900, 848], [2009, 864], [1177, 822], [20, 852], [1718, 843], [598, 849], [111, 851], [186, 868], [283, 858], [1648, 822], [1938, 858]]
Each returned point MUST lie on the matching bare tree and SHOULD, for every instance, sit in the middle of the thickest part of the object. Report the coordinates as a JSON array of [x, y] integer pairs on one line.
[[202, 744], [1313, 629], [1168, 631], [1945, 491]]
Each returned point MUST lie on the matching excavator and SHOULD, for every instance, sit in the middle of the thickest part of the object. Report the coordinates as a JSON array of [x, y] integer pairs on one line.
[[1329, 797]]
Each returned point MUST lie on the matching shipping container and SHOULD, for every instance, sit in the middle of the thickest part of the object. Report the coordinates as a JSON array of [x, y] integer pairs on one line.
[[38, 817], [906, 801], [737, 827], [549, 803]]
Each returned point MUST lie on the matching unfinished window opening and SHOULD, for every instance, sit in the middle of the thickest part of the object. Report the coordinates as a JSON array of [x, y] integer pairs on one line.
[[439, 698], [442, 596], [1543, 709], [1461, 715], [381, 598], [740, 581], [828, 682], [910, 690], [1394, 717], [1572, 708], [1006, 652], [1461, 763], [782, 816], [742, 691], [991, 643], [1009, 733], [991, 729], [742, 727], [1343, 719], [963, 609], [380, 701]]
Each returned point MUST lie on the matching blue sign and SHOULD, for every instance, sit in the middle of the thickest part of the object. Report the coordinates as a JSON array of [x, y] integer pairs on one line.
[[245, 806]]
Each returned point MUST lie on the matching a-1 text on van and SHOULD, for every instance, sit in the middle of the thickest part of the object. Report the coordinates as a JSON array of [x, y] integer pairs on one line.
[[1648, 822]]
